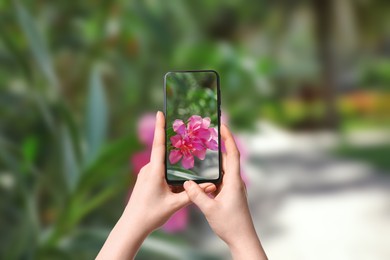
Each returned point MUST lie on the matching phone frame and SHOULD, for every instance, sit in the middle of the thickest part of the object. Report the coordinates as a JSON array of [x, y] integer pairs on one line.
[[180, 182]]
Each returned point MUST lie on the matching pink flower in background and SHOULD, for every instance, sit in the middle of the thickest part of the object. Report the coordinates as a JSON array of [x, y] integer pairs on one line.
[[192, 140], [146, 129], [140, 159], [177, 222]]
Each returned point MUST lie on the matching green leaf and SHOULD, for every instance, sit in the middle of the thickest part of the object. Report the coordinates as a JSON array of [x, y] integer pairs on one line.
[[85, 240], [96, 115], [70, 165], [96, 201], [113, 156], [29, 151], [177, 173], [37, 44], [7, 157]]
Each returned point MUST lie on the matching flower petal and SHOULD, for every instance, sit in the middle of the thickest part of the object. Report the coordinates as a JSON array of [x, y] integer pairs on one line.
[[198, 144], [203, 134], [212, 145], [201, 154], [145, 129], [175, 156], [213, 133], [176, 141], [179, 126], [195, 122], [139, 160], [177, 222], [206, 122], [188, 161]]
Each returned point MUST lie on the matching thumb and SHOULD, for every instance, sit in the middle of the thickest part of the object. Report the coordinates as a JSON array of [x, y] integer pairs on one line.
[[197, 196]]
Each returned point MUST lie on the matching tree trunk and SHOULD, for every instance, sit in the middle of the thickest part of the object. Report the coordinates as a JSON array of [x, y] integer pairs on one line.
[[324, 17]]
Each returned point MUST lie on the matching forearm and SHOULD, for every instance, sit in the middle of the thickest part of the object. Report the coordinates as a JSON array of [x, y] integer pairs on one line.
[[247, 246], [124, 240], [249, 250]]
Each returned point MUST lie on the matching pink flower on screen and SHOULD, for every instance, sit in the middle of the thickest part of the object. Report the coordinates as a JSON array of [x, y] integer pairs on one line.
[[192, 140]]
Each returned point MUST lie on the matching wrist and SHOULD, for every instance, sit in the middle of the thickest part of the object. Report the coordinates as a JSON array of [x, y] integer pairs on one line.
[[248, 249], [131, 233], [125, 239], [246, 245], [134, 224]]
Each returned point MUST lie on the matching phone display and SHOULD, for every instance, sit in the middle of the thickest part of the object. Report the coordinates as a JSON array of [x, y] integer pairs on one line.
[[192, 114]]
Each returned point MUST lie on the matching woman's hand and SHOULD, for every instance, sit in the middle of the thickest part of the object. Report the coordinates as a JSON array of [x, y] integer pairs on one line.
[[151, 204], [228, 212]]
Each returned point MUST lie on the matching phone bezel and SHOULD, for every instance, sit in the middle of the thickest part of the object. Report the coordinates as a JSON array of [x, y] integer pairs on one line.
[[180, 182]]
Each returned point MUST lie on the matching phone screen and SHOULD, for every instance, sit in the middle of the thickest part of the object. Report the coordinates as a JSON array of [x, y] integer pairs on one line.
[[192, 110]]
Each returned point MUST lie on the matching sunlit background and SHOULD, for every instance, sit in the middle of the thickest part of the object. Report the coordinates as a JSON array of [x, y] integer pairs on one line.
[[305, 87]]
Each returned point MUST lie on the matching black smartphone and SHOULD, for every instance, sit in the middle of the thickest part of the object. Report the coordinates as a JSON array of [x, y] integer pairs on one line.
[[192, 102]]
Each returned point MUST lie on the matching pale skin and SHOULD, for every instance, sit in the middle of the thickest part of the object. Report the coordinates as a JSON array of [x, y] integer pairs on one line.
[[153, 202]]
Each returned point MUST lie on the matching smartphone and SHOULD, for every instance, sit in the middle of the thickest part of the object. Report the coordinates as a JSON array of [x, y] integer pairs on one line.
[[192, 101]]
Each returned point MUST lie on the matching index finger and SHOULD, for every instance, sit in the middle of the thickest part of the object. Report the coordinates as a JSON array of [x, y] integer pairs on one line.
[[158, 149]]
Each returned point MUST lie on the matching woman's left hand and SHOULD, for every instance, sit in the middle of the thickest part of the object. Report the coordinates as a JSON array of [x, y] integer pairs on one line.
[[151, 204]]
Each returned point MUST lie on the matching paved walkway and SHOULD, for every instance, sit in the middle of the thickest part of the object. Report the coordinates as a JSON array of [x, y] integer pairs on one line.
[[309, 205]]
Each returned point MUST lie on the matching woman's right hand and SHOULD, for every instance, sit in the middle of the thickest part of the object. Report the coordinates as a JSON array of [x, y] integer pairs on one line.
[[228, 212]]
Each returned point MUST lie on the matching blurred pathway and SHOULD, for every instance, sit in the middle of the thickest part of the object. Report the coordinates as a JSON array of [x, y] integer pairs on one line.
[[310, 205]]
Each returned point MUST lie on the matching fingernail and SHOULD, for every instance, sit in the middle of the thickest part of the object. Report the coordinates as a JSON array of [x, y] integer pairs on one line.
[[187, 184], [208, 188], [158, 114]]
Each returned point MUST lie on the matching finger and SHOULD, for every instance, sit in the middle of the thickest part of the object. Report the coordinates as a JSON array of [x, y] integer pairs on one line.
[[232, 165], [223, 162], [210, 189], [207, 187], [197, 196], [158, 150], [181, 199]]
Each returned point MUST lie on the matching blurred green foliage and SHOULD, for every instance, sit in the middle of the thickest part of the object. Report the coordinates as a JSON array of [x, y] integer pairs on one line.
[[375, 155], [192, 94], [75, 75]]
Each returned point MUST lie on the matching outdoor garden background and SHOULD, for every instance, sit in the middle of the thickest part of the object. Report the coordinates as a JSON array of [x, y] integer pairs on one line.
[[305, 87]]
